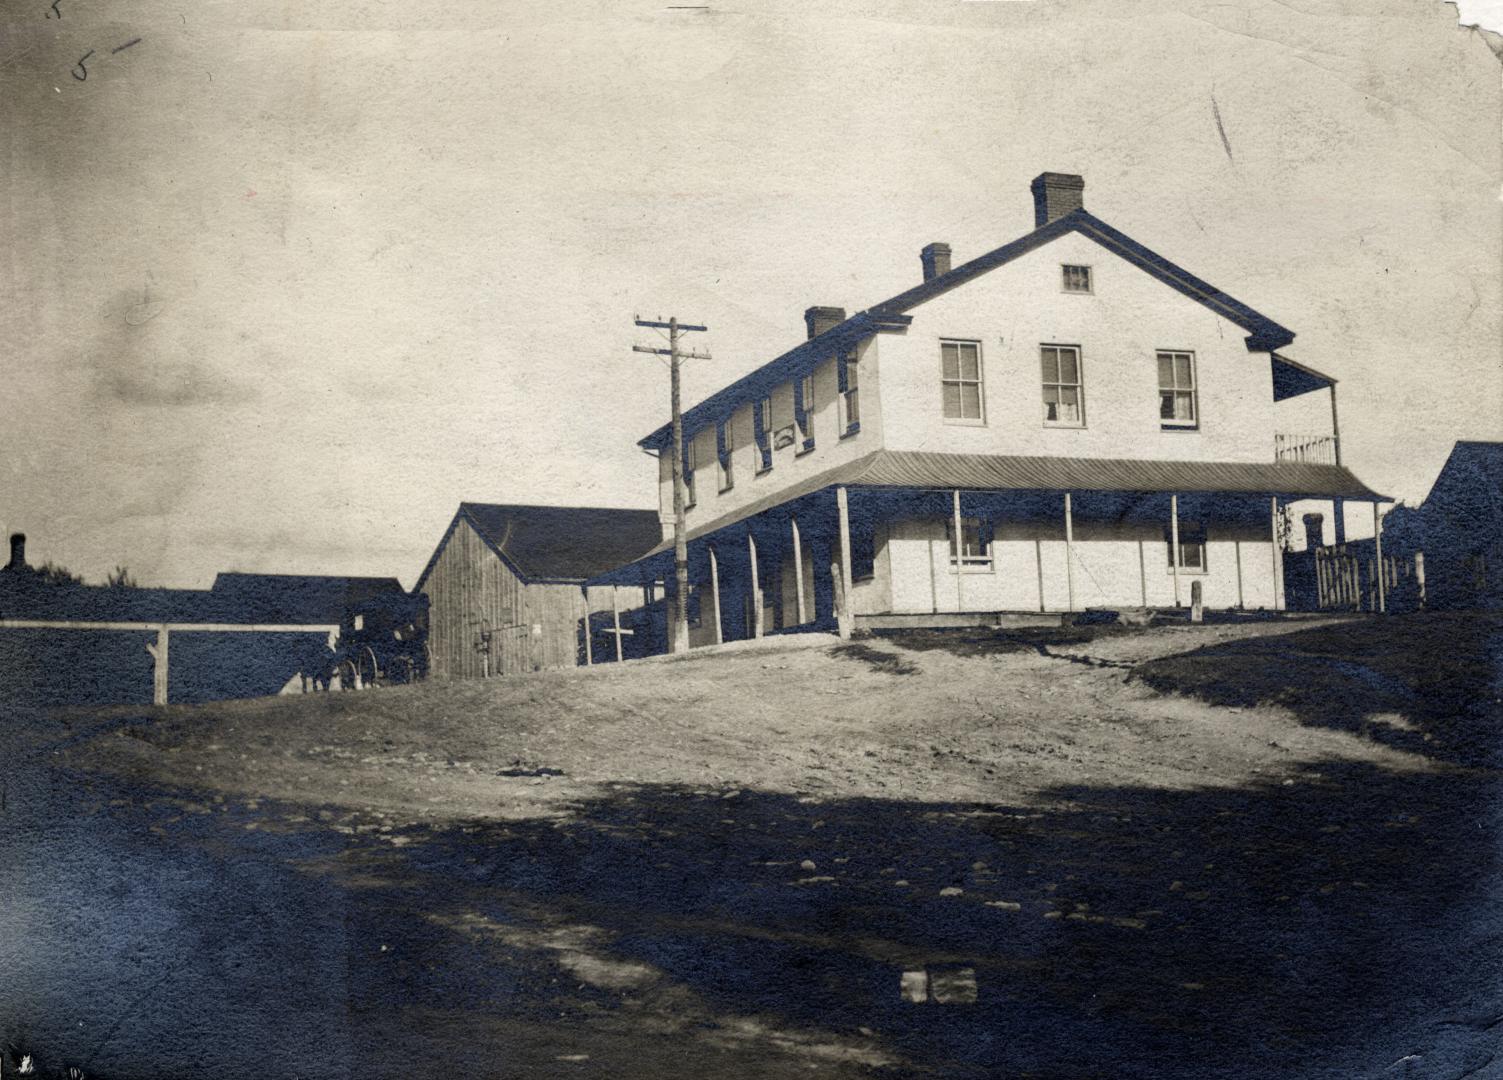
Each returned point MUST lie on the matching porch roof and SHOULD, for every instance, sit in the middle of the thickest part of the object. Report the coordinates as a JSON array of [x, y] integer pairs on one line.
[[1000, 472]]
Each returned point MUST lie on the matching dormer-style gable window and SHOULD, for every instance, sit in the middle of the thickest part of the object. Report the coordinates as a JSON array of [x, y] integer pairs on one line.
[[1077, 279], [803, 412], [848, 382], [762, 433], [724, 471]]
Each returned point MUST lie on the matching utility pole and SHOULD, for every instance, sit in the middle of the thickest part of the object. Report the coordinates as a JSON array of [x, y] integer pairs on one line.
[[679, 632]]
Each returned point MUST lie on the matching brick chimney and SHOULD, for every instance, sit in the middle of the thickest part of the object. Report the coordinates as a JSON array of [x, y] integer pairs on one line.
[[820, 319], [936, 260], [17, 552], [1055, 195]]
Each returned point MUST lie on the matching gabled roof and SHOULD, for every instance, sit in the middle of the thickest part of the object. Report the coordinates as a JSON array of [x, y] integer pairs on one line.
[[1001, 472], [556, 543], [1264, 335]]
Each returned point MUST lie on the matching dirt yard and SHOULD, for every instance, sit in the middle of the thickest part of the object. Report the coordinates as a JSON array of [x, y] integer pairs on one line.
[[1244, 850]]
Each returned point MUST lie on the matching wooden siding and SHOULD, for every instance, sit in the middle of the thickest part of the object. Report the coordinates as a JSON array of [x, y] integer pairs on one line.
[[471, 589], [533, 626]]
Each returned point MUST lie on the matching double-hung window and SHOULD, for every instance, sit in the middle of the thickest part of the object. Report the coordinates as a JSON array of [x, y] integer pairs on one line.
[[723, 464], [803, 412], [1177, 404], [960, 380], [1192, 547], [975, 544], [850, 394], [762, 433], [1064, 390]]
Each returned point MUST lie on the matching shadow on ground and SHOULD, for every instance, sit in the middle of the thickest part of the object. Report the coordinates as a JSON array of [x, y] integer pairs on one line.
[[1429, 683], [1310, 929], [1339, 921]]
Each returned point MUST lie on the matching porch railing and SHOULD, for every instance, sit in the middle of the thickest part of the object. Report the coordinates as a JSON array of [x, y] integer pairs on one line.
[[1312, 449]]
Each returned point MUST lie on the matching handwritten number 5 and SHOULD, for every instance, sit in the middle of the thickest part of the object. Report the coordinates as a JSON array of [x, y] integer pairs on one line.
[[55, 13], [79, 71]]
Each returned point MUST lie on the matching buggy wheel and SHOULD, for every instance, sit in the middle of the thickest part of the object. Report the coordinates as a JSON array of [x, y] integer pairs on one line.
[[348, 673], [370, 671]]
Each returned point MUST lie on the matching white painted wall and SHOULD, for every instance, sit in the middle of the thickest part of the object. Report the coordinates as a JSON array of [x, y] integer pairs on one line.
[[789, 466], [1115, 565], [1119, 327]]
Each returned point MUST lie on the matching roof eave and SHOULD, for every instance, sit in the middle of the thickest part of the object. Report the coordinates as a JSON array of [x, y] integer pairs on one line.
[[751, 386]]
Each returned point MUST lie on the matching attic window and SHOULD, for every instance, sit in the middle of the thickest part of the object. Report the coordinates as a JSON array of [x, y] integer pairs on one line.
[[1077, 279]]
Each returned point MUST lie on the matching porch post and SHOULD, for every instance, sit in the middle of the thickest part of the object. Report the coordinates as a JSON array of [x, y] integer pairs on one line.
[[959, 551], [1273, 537], [715, 593], [589, 654], [1038, 562], [1335, 426], [616, 618], [1142, 574], [159, 669], [1378, 550], [756, 589], [843, 616], [1069, 555], [1174, 544], [1237, 550], [798, 570]]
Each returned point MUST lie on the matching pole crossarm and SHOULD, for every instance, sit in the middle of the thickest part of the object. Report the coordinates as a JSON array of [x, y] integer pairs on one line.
[[669, 352], [669, 325], [679, 631]]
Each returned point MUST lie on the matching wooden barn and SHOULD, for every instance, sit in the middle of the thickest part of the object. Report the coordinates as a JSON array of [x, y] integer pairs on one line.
[[506, 584]]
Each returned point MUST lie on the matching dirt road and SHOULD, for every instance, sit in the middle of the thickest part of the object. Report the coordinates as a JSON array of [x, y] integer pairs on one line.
[[731, 865]]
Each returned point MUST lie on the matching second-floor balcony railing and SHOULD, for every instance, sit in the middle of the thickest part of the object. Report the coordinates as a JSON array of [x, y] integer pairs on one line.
[[1313, 449]]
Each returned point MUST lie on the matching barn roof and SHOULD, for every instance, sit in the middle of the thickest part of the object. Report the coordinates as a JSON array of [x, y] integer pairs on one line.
[[557, 543]]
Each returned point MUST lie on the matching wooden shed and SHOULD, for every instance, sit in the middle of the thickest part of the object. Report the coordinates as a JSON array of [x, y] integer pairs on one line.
[[506, 584]]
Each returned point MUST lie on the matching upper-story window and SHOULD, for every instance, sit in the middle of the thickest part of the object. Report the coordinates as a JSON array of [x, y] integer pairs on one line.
[[960, 380], [1064, 390], [848, 381], [762, 433], [724, 465], [688, 472], [1177, 404], [975, 544], [803, 412], [1077, 279]]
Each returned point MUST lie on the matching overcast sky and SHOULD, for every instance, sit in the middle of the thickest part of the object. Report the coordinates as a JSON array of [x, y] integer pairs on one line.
[[286, 282]]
